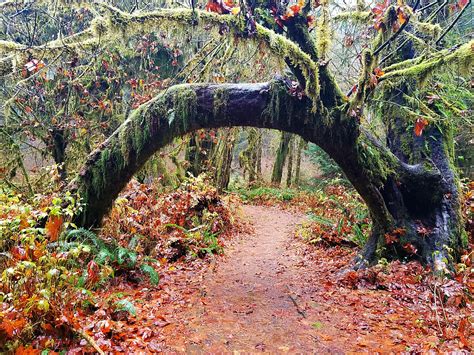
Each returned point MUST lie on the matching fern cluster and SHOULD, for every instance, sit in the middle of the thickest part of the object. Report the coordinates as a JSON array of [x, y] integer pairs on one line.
[[109, 253]]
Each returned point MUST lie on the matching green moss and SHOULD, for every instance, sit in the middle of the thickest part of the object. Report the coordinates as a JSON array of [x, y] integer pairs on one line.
[[432, 30], [422, 68], [185, 105], [378, 165], [323, 30], [356, 16], [221, 97]]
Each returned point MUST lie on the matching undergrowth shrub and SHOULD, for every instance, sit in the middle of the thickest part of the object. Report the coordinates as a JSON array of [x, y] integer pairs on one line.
[[38, 286], [188, 222]]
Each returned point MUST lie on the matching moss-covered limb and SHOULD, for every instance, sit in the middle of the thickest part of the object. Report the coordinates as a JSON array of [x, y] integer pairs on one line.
[[426, 28], [330, 92], [123, 23], [117, 24], [356, 16], [323, 30], [420, 68], [176, 112], [83, 39]]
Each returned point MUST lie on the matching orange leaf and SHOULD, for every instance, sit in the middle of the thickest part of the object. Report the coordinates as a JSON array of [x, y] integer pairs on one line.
[[53, 227], [295, 8], [420, 125], [402, 17], [21, 350], [378, 72], [12, 326]]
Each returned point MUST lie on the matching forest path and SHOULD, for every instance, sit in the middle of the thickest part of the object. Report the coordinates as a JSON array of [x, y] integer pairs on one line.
[[257, 298]]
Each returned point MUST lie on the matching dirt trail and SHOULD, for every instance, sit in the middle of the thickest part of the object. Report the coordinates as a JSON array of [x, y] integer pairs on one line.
[[252, 301]]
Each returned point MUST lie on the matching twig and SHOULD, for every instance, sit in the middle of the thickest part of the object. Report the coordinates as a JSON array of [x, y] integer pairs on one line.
[[89, 340], [298, 309], [427, 6], [436, 309], [395, 35], [388, 56], [445, 32]]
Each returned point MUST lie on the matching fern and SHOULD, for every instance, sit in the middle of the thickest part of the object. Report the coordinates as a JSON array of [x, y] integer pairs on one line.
[[126, 256], [86, 237], [321, 220], [151, 272], [126, 305]]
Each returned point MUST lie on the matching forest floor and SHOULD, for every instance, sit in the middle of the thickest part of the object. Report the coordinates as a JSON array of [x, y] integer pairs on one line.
[[272, 292]]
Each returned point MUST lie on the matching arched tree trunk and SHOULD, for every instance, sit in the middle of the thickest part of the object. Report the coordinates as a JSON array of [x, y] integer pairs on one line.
[[387, 184]]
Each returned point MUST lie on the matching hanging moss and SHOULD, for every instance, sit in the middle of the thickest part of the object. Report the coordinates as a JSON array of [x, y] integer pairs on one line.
[[323, 29], [429, 29], [278, 44], [185, 105], [221, 97]]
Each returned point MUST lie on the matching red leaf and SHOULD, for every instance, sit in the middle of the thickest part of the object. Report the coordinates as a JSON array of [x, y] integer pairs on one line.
[[92, 271], [295, 8], [19, 253], [410, 248]]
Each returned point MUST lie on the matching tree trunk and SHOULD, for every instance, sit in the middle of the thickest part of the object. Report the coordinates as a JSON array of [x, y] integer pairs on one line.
[[59, 145], [259, 155], [249, 157], [289, 171], [402, 198], [222, 157], [299, 153], [280, 159], [197, 153]]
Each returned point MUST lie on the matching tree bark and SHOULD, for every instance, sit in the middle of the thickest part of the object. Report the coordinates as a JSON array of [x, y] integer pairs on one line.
[[59, 145], [280, 159], [289, 170], [299, 153], [249, 157]]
